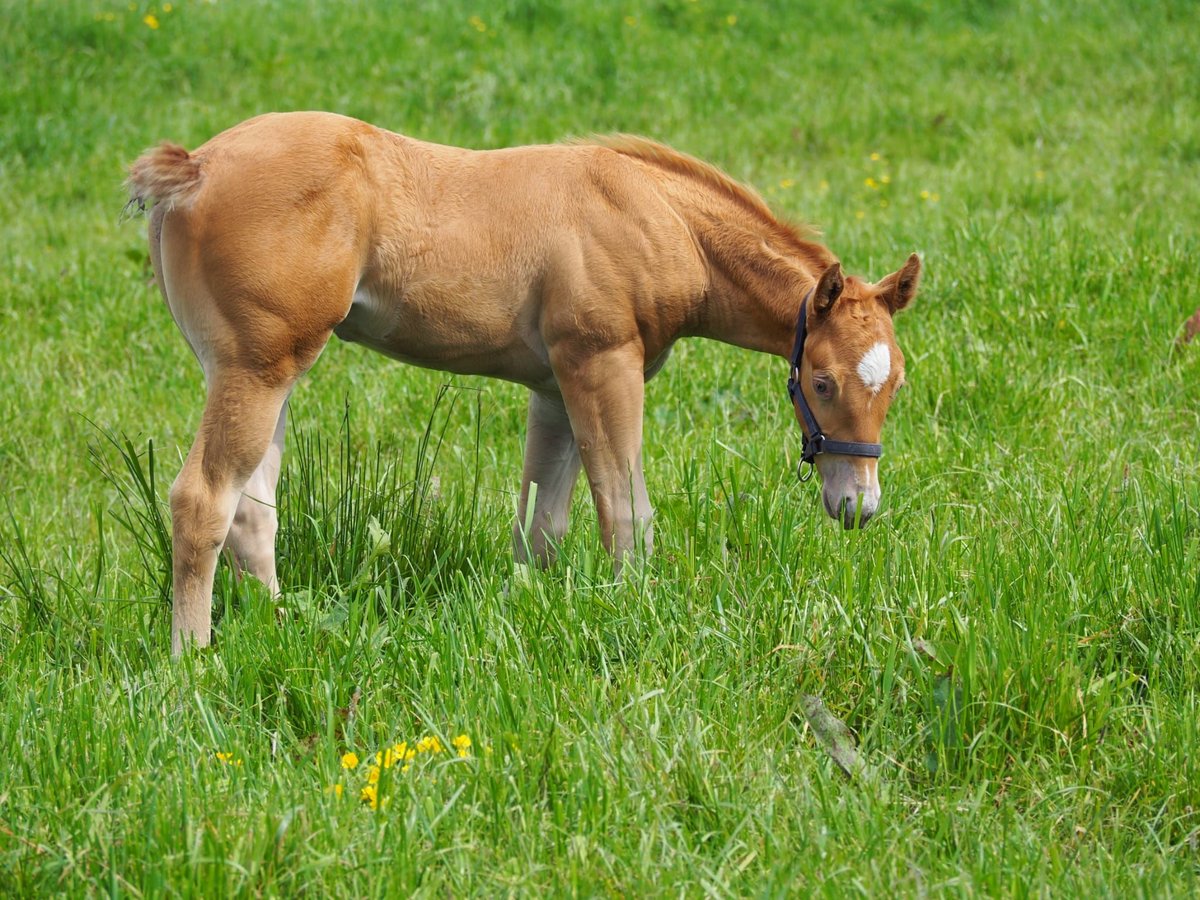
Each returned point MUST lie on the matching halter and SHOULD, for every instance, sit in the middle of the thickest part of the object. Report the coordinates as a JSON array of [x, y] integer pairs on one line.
[[815, 441]]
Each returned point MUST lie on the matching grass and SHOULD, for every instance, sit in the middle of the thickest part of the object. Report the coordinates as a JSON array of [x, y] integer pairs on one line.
[[1014, 642]]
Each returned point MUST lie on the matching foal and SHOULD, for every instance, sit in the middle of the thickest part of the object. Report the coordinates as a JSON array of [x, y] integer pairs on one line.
[[571, 269]]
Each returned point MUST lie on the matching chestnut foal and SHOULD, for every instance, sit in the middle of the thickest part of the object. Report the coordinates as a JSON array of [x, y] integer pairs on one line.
[[571, 269]]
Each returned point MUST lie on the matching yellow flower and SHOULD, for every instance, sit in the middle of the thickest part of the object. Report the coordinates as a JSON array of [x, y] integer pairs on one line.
[[875, 157], [925, 195], [373, 774], [350, 760], [477, 23], [369, 795], [885, 179], [787, 183], [462, 744], [859, 214], [335, 789], [430, 745], [151, 20], [1039, 175], [871, 183], [167, 7], [228, 759], [731, 21], [631, 21]]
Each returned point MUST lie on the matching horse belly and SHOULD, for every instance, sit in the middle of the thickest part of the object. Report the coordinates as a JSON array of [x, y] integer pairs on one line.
[[472, 338]]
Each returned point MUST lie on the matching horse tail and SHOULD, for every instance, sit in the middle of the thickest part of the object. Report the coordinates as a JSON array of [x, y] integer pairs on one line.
[[167, 174]]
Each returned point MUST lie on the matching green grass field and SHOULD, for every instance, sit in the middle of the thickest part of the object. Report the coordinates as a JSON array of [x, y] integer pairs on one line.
[[1014, 642]]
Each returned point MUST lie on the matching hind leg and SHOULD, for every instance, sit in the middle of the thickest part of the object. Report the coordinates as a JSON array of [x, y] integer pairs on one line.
[[241, 415], [251, 538]]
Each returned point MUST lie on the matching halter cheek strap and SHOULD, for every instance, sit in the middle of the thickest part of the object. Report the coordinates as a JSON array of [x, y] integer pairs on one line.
[[815, 441]]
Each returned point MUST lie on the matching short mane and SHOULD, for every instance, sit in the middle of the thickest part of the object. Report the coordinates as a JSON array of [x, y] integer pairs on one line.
[[746, 197], [681, 163]]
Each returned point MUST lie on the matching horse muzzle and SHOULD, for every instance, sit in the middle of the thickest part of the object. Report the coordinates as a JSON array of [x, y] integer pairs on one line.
[[850, 492]]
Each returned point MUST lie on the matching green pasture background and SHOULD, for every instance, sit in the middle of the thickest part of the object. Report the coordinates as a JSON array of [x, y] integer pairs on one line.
[[1014, 643]]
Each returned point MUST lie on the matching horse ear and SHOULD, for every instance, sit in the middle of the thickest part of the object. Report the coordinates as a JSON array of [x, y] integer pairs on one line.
[[898, 289], [829, 288]]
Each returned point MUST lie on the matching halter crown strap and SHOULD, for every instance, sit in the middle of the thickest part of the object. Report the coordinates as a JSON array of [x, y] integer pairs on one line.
[[815, 442]]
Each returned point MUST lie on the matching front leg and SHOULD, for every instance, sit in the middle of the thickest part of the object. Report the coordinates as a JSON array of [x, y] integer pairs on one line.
[[604, 395], [552, 463]]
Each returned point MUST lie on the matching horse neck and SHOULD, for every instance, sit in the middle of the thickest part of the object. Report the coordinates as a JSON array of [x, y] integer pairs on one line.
[[759, 274]]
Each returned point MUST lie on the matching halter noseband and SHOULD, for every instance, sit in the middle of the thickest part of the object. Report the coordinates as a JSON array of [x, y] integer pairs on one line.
[[815, 441]]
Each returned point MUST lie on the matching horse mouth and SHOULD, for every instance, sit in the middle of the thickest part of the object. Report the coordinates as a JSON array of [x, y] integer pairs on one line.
[[850, 513]]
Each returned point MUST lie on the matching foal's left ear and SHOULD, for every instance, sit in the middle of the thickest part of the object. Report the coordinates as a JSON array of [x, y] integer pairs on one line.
[[898, 289]]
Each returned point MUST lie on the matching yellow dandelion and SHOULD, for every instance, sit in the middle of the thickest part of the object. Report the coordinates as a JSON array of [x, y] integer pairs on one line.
[[335, 789], [885, 179], [430, 744], [369, 795], [731, 20], [925, 195], [871, 183], [151, 21], [373, 775], [875, 157], [227, 759], [462, 744], [167, 7], [350, 760], [477, 23], [787, 183], [1039, 175], [631, 21], [387, 758], [859, 214]]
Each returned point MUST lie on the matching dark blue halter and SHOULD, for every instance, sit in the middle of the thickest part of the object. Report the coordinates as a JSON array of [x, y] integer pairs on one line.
[[815, 441]]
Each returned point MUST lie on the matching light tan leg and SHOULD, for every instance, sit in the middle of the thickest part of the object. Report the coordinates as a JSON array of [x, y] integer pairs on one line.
[[251, 538], [241, 414], [604, 394], [552, 462]]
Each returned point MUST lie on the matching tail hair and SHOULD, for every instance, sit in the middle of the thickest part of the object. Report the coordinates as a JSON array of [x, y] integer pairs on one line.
[[166, 174]]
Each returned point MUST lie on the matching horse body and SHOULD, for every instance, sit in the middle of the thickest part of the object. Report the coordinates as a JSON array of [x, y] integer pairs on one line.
[[571, 269]]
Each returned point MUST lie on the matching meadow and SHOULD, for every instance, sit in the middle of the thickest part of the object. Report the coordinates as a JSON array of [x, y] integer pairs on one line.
[[1013, 645]]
